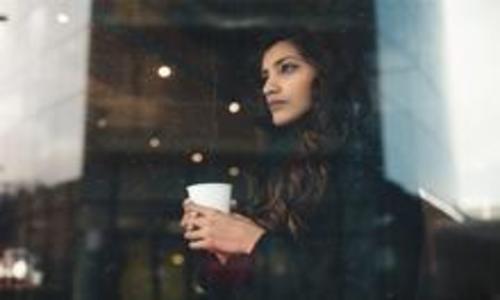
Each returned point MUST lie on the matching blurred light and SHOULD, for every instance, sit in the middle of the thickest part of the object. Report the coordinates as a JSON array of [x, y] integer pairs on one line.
[[177, 259], [164, 71], [443, 205], [3, 271], [62, 18], [154, 142], [198, 289], [197, 157], [93, 240], [20, 269], [233, 171], [102, 123], [234, 107], [36, 277]]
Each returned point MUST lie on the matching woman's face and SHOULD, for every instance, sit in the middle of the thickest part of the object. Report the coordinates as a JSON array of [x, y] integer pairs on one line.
[[288, 80]]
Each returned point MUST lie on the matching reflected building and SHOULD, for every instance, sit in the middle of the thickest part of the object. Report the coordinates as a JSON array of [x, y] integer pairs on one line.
[[110, 108], [132, 101]]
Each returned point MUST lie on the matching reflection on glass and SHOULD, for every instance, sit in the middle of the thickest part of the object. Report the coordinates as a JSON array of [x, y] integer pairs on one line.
[[62, 18], [108, 109], [438, 83], [164, 71]]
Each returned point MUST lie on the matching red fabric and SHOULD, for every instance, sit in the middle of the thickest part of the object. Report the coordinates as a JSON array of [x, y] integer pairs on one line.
[[236, 271]]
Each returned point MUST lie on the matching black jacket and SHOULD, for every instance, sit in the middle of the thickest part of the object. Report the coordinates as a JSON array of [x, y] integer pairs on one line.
[[363, 242]]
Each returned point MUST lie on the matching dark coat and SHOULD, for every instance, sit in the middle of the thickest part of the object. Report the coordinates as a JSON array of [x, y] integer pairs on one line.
[[363, 242]]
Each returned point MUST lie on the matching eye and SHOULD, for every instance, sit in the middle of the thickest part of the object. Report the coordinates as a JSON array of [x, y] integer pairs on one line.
[[288, 68]]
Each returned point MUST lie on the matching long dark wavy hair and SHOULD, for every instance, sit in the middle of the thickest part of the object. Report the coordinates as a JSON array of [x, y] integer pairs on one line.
[[298, 156]]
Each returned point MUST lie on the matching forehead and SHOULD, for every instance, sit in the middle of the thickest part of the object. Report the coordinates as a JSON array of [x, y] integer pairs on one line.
[[278, 51]]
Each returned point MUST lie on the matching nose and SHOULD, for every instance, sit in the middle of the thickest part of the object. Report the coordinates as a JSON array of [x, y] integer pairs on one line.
[[270, 86]]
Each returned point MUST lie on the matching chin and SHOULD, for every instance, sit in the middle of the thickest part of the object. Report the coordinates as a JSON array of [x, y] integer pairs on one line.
[[278, 124], [282, 118], [277, 121], [281, 121]]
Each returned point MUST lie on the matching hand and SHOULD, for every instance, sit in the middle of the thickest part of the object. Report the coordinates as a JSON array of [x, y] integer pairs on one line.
[[219, 232], [187, 217]]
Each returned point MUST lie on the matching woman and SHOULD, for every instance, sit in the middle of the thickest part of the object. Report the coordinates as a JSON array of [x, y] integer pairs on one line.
[[314, 234]]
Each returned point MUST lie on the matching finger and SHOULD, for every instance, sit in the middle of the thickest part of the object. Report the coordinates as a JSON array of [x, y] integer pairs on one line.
[[186, 203], [204, 210], [200, 222], [192, 216], [186, 217], [194, 235], [199, 245], [241, 218], [183, 221], [187, 224]]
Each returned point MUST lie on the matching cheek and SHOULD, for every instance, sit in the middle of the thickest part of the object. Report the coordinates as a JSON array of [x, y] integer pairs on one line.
[[305, 95]]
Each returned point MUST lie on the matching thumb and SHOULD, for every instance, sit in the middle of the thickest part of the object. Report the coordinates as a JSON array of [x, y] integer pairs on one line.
[[241, 217]]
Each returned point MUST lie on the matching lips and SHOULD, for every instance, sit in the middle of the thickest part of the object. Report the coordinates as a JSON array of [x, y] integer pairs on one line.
[[275, 104]]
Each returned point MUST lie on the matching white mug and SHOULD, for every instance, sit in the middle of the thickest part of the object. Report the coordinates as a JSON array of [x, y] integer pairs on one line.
[[211, 194]]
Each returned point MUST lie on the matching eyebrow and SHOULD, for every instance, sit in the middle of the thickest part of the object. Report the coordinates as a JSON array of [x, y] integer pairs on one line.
[[280, 61]]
